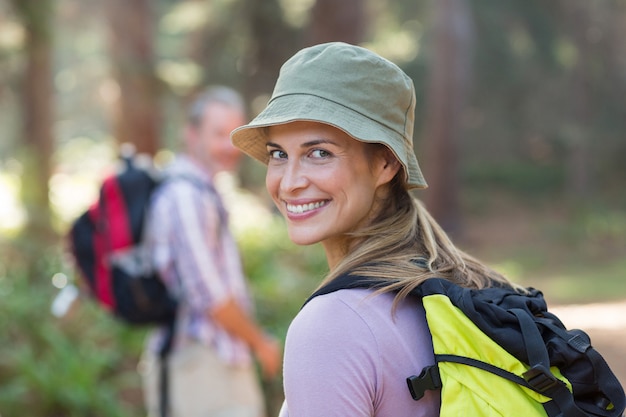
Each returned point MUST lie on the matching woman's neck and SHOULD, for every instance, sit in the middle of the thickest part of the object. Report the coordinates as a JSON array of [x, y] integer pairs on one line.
[[336, 250]]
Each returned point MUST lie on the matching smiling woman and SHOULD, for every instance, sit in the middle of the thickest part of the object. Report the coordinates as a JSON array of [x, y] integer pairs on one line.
[[337, 140]]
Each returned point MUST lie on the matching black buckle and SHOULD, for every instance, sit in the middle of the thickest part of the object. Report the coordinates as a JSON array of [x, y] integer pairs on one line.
[[541, 379], [428, 379]]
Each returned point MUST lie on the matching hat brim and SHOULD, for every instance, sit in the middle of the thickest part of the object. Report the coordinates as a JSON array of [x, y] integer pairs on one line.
[[251, 138]]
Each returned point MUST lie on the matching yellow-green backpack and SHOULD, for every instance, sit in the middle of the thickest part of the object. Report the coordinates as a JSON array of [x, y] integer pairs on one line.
[[499, 352]]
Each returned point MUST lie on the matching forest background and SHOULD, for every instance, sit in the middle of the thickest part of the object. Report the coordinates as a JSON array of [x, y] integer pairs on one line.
[[520, 129]]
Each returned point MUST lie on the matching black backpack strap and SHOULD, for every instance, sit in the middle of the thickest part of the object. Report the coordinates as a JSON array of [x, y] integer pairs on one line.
[[613, 388], [347, 281], [164, 351], [539, 376]]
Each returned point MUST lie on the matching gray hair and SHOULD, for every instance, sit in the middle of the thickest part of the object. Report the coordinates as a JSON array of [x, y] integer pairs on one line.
[[213, 94]]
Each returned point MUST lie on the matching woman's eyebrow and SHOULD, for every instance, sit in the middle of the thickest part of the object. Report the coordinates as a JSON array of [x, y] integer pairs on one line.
[[273, 145], [317, 142], [308, 144]]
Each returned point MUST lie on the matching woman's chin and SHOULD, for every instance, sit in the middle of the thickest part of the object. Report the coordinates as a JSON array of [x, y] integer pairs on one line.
[[301, 240]]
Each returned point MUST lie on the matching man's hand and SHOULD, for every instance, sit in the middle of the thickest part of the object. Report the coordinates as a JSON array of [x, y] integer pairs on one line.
[[268, 353]]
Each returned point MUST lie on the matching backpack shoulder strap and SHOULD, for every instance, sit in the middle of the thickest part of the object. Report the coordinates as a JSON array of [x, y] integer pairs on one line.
[[348, 281]]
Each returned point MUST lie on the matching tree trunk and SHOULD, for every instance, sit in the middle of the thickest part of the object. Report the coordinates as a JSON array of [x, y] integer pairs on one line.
[[137, 116], [333, 20], [37, 115], [448, 85], [578, 159], [270, 44]]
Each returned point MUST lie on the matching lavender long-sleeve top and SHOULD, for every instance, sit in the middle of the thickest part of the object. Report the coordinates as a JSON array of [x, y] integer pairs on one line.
[[345, 355]]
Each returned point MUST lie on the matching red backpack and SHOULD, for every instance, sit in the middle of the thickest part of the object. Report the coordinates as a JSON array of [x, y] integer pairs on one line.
[[106, 243]]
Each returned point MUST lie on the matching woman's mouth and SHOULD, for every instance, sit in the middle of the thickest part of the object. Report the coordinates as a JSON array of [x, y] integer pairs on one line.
[[303, 208]]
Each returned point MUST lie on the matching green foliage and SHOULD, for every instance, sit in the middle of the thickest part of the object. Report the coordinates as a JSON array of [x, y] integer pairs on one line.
[[35, 15], [75, 366], [517, 177]]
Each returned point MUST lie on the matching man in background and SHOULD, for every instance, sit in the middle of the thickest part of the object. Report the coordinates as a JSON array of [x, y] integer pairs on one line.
[[211, 369]]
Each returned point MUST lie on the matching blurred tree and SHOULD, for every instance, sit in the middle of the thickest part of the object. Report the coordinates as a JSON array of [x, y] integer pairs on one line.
[[37, 114], [270, 43], [546, 111], [596, 92], [216, 39], [131, 45], [577, 24], [446, 96], [337, 21], [239, 43], [516, 75]]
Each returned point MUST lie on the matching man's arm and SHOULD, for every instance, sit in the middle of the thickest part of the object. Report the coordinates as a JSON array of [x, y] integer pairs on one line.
[[235, 321]]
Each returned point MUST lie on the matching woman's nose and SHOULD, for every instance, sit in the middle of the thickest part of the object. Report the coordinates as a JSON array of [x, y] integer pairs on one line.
[[294, 177]]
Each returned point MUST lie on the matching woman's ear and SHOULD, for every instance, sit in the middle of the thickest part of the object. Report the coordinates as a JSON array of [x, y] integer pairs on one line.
[[389, 166]]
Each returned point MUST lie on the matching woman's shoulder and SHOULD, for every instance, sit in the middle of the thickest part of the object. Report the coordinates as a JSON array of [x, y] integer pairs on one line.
[[349, 311], [334, 310]]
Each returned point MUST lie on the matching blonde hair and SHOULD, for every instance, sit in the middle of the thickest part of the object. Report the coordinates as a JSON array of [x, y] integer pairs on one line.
[[405, 244]]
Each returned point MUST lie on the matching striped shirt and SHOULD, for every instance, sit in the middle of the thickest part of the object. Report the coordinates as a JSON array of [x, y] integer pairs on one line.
[[197, 257]]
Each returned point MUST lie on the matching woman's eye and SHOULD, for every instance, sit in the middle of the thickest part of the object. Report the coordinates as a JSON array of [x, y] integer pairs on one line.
[[320, 153], [277, 154]]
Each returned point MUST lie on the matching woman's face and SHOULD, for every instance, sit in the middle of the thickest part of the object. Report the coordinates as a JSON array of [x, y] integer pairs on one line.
[[323, 181]]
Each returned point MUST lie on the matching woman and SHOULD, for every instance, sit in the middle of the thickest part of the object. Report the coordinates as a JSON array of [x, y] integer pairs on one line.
[[337, 139]]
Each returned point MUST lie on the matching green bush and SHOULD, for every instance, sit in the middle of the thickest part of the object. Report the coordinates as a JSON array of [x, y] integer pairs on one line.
[[75, 366]]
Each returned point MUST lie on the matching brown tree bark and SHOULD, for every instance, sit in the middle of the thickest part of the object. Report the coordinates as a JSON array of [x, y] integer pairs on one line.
[[333, 20], [448, 85], [137, 116], [37, 115]]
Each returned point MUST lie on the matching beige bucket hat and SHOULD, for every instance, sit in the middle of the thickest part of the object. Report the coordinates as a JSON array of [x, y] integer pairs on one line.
[[345, 86]]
